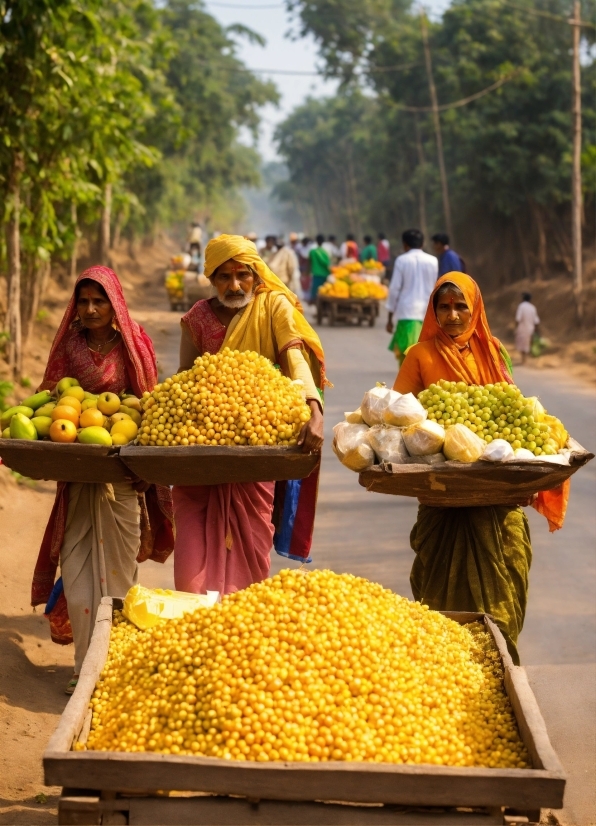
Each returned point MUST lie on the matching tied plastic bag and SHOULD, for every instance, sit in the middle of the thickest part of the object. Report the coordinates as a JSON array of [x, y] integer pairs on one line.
[[355, 417], [145, 607], [350, 446], [404, 411], [498, 450], [387, 443], [425, 438], [556, 459], [462, 444], [522, 454], [374, 403]]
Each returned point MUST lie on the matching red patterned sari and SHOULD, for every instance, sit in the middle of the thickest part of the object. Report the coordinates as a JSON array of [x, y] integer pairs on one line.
[[129, 366]]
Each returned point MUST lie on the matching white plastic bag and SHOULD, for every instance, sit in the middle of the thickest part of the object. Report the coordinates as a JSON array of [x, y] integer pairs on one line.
[[374, 403], [355, 417], [425, 438], [462, 444], [359, 458], [348, 437], [556, 459], [404, 411], [498, 450], [387, 443], [431, 459], [522, 454]]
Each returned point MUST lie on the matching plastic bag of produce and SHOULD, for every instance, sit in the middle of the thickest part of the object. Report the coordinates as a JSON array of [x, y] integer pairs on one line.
[[431, 459], [355, 417], [374, 403], [498, 450], [462, 444], [556, 459], [348, 437], [359, 458], [425, 438], [146, 607], [387, 443], [404, 411], [522, 454]]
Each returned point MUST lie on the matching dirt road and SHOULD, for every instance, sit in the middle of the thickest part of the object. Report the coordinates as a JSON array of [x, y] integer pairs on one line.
[[356, 531]]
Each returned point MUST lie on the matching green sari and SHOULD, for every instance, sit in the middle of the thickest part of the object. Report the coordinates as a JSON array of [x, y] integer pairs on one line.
[[474, 559]]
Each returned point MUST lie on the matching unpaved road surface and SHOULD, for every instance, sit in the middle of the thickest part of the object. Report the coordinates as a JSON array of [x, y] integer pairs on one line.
[[356, 531]]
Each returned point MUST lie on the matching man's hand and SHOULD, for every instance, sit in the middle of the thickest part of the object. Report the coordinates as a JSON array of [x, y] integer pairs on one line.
[[525, 503], [311, 435], [389, 325], [138, 484]]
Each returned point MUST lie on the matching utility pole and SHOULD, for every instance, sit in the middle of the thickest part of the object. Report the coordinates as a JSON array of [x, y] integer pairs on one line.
[[576, 175], [437, 125]]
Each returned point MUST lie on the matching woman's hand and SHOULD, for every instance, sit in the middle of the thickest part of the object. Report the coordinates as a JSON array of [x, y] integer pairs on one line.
[[311, 435], [525, 503], [138, 484]]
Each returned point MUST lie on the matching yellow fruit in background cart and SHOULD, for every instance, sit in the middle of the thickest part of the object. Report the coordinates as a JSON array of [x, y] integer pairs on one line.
[[310, 667], [358, 291]]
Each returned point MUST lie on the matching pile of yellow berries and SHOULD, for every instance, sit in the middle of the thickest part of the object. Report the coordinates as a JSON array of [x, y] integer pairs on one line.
[[230, 398], [175, 283], [308, 667]]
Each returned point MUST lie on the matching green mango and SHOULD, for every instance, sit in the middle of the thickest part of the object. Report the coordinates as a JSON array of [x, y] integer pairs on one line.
[[46, 409], [94, 436], [38, 400], [6, 433], [42, 424], [8, 414], [91, 395], [21, 428]]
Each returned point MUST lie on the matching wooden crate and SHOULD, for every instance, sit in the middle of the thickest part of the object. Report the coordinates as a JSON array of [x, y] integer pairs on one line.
[[454, 484], [63, 462], [360, 784], [214, 465], [347, 310]]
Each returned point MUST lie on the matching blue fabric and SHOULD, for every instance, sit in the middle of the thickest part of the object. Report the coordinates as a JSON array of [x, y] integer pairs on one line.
[[449, 261], [282, 539], [54, 596]]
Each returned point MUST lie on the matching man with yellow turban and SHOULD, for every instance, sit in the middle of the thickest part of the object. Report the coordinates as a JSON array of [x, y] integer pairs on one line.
[[225, 532]]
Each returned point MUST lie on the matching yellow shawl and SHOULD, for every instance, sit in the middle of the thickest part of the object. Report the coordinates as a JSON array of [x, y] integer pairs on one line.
[[274, 318]]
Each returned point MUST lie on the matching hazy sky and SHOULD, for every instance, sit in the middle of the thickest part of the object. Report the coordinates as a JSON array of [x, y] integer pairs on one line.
[[280, 54]]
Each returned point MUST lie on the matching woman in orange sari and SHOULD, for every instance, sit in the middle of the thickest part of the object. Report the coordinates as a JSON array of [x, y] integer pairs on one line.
[[478, 558], [98, 532]]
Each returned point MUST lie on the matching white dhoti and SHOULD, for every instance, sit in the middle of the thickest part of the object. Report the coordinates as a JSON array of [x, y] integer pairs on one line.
[[98, 557]]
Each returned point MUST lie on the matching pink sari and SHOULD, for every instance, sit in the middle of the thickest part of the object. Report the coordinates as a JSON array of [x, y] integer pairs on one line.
[[224, 533]]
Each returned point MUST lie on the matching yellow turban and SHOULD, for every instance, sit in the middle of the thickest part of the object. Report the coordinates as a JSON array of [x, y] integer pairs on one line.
[[225, 247]]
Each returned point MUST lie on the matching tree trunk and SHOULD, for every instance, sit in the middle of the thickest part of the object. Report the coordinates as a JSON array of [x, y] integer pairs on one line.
[[541, 268], [106, 217], [422, 191], [75, 244], [576, 176], [13, 250]]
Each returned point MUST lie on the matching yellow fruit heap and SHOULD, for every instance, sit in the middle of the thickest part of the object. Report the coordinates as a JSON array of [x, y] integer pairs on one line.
[[373, 264], [310, 667], [341, 289], [495, 411], [175, 283], [230, 398]]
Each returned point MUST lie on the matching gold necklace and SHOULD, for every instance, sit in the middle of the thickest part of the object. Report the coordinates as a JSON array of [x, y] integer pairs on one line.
[[100, 346]]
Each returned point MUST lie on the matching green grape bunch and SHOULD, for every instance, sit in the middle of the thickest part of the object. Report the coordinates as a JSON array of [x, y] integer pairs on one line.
[[495, 411]]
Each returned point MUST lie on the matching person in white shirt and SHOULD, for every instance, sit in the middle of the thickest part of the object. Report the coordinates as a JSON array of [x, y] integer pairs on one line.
[[285, 266], [332, 249], [414, 277], [527, 321]]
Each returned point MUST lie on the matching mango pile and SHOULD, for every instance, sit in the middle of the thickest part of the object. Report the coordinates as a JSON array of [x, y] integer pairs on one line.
[[174, 284], [495, 411], [72, 414], [308, 667], [354, 289], [345, 270], [230, 398], [373, 264]]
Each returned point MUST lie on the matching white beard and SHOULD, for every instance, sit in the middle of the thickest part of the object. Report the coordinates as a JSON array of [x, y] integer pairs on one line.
[[238, 302]]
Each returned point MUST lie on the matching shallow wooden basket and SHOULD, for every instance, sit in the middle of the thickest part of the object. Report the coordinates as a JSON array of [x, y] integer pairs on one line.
[[63, 462], [213, 465], [457, 485], [355, 783]]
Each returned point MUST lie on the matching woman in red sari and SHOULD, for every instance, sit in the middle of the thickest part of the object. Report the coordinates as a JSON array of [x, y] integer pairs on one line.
[[98, 532]]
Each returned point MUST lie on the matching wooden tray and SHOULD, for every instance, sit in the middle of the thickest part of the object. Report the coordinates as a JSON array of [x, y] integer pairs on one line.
[[458, 485], [63, 462], [213, 465], [416, 785]]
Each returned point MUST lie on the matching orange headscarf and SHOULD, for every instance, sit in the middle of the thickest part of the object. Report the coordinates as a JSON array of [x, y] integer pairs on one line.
[[485, 348]]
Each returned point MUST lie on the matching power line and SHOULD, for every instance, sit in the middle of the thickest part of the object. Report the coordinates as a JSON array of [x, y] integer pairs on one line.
[[241, 6], [464, 101], [549, 16]]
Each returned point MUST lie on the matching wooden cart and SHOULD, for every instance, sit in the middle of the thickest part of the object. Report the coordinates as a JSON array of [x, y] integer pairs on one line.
[[347, 310], [144, 788], [463, 485]]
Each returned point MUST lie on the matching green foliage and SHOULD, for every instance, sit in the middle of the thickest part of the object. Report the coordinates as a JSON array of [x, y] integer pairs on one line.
[[6, 388]]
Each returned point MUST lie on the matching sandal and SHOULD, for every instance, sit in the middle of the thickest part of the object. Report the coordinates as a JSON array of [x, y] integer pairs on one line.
[[72, 685]]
